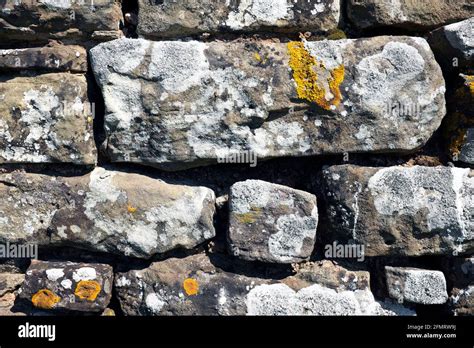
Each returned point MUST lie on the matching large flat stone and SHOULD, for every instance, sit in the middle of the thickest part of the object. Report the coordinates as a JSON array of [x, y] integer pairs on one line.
[[409, 15], [409, 211], [105, 211], [416, 285], [453, 46], [176, 105], [67, 286], [46, 119], [271, 223], [170, 18], [54, 57], [65, 20], [194, 286]]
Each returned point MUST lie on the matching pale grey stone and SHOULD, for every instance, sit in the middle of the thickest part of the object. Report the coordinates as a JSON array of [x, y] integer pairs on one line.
[[271, 223], [416, 285]]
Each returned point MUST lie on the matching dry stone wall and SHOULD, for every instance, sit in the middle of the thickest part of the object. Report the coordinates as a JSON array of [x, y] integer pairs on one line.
[[246, 157]]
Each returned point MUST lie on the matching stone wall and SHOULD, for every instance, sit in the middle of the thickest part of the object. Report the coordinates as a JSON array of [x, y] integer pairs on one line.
[[244, 157]]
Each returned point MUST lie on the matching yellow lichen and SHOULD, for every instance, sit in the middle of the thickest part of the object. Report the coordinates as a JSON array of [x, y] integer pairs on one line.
[[258, 57], [470, 82], [250, 217], [108, 312], [324, 91], [191, 286], [457, 142], [336, 34], [45, 299], [131, 209], [87, 290]]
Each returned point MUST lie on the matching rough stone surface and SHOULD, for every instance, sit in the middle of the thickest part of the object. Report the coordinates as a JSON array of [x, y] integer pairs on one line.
[[401, 210], [46, 119], [161, 290], [9, 282], [83, 287], [453, 46], [190, 17], [9, 286], [105, 211], [65, 20], [271, 223], [194, 103], [408, 15], [416, 285], [55, 57]]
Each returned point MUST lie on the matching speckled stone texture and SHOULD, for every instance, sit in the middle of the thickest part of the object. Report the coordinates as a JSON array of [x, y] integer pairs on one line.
[[107, 211], [9, 285], [453, 46], [191, 17], [407, 15], [46, 119], [67, 286], [416, 285], [271, 223], [195, 102], [408, 211], [161, 290], [53, 57], [65, 20], [237, 157]]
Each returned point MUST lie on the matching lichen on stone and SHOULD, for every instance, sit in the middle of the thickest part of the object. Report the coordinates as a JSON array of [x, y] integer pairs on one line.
[[191, 286], [314, 82], [45, 299], [87, 290], [250, 217]]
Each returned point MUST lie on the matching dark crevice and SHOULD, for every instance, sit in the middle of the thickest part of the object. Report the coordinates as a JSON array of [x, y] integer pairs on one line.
[[130, 10]]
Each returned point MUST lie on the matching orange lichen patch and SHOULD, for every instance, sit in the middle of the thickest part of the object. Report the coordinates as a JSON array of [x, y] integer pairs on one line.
[[470, 83], [458, 142], [87, 290], [314, 82], [45, 299], [131, 209], [191, 286]]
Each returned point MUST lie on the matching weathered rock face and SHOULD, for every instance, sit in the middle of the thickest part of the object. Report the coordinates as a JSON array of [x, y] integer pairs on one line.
[[416, 285], [65, 20], [407, 14], [107, 211], [453, 45], [193, 286], [83, 287], [189, 17], [46, 119], [9, 286], [401, 210], [9, 282], [271, 223], [54, 57], [175, 105]]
